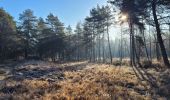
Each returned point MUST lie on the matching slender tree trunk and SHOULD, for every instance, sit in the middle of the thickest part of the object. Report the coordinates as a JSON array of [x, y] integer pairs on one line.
[[121, 47], [157, 49], [169, 39], [150, 45], [136, 54], [132, 50], [159, 37], [91, 47], [103, 45], [146, 50], [78, 52], [27, 45], [26, 50], [127, 52], [94, 55], [133, 47], [108, 38], [98, 46], [86, 52], [99, 49]]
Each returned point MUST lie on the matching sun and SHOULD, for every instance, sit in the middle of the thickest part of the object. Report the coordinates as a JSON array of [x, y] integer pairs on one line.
[[123, 17]]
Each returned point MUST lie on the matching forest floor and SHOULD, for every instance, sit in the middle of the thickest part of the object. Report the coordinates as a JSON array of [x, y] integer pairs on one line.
[[39, 80]]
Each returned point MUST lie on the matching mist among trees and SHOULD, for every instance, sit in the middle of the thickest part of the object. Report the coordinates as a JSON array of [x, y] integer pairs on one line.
[[142, 42]]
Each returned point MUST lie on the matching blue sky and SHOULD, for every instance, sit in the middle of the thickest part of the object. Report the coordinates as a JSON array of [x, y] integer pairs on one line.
[[68, 11]]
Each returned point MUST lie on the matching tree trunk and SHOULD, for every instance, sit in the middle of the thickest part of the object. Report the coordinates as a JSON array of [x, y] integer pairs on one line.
[[159, 37], [99, 49], [130, 53], [91, 48], [132, 50], [26, 53], [108, 38], [103, 45], [150, 45], [157, 49], [133, 47], [94, 55], [146, 50], [169, 39], [121, 46]]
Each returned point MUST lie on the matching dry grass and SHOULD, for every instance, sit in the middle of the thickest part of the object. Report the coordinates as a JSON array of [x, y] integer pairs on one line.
[[100, 82], [81, 81]]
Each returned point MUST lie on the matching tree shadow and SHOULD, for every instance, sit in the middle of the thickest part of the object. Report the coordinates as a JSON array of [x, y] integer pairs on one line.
[[153, 81], [147, 76], [52, 74]]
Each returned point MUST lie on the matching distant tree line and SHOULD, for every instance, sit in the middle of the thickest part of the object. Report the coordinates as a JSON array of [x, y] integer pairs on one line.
[[31, 37], [146, 37], [48, 39]]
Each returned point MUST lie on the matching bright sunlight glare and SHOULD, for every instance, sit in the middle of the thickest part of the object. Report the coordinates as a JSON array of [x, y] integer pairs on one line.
[[123, 17]]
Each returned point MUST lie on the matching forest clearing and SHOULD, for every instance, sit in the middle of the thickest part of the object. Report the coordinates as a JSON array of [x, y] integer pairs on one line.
[[81, 81], [84, 49]]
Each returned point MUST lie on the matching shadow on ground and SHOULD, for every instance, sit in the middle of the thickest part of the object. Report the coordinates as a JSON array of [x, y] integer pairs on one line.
[[157, 78], [52, 73]]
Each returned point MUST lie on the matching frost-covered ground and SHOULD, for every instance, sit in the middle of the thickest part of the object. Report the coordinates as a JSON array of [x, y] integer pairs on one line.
[[81, 81]]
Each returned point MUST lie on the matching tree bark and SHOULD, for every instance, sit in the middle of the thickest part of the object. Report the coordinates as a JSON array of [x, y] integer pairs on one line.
[[146, 50], [132, 43], [159, 37], [108, 38], [169, 39], [99, 48], [121, 45], [157, 49], [150, 45], [94, 51], [103, 49]]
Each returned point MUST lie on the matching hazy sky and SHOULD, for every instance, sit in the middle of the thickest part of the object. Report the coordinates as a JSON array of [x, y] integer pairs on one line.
[[68, 11]]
